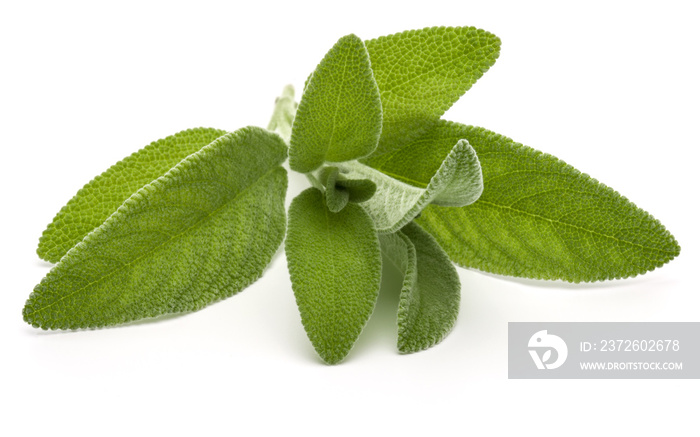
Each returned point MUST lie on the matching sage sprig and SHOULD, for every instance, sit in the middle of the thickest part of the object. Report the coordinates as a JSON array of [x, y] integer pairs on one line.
[[196, 217]]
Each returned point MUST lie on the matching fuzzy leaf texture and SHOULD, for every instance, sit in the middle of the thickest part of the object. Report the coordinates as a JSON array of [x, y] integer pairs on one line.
[[336, 199], [339, 190], [538, 217], [359, 190], [98, 199], [421, 73], [457, 181], [339, 117], [430, 294], [335, 266], [283, 115], [202, 232]]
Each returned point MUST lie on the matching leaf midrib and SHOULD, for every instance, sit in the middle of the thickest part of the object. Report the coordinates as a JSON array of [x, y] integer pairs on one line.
[[559, 222], [337, 105], [404, 179], [155, 248]]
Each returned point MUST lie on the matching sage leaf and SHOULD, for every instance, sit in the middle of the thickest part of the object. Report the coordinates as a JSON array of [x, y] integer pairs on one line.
[[339, 190], [538, 217], [359, 190], [421, 73], [336, 199], [339, 117], [420, 162], [456, 182], [203, 231], [335, 265], [283, 114], [430, 295], [98, 199], [428, 311]]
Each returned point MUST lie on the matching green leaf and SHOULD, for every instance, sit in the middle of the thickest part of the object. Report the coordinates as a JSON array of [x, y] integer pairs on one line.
[[419, 162], [340, 115], [335, 265], [456, 182], [429, 301], [283, 114], [97, 200], [339, 190], [540, 218], [336, 199], [202, 232], [359, 190], [421, 73]]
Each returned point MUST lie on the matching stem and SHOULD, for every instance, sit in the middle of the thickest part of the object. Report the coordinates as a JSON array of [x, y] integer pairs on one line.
[[314, 181], [281, 123], [283, 114]]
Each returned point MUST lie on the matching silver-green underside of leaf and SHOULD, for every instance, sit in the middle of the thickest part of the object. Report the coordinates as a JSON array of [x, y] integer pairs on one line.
[[334, 263], [457, 181], [338, 190], [335, 199], [283, 114], [202, 232], [538, 217], [99, 198], [430, 294]]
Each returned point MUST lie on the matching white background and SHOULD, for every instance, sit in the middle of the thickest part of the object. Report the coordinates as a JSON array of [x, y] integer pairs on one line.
[[609, 87]]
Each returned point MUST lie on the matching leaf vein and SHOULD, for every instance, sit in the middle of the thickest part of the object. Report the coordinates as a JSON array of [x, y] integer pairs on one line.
[[146, 254], [555, 221]]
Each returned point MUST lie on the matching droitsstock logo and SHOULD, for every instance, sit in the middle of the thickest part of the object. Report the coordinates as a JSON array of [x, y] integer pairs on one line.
[[541, 346]]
